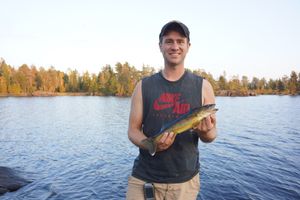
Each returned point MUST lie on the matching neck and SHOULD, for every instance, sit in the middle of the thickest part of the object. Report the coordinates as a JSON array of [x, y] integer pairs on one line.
[[173, 73]]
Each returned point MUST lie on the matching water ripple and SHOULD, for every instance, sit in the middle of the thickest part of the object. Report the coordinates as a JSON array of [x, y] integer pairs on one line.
[[77, 148]]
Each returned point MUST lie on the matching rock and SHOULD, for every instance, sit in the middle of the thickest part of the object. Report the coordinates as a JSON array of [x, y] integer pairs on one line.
[[10, 181], [235, 93]]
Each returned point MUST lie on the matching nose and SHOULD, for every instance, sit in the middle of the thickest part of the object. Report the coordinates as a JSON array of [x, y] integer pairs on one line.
[[174, 46]]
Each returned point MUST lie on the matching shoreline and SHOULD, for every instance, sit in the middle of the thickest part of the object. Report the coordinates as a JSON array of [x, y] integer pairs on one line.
[[47, 94], [55, 94], [223, 93]]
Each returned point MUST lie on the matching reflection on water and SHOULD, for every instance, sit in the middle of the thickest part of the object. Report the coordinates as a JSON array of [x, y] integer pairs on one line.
[[77, 148]]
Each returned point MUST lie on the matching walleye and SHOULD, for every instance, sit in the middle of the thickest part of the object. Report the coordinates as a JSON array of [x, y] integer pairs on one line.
[[179, 125]]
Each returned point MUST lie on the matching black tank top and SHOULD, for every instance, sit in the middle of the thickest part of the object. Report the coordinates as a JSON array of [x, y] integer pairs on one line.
[[164, 101]]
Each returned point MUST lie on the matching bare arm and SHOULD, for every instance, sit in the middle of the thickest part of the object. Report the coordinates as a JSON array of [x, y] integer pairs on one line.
[[135, 133], [206, 130]]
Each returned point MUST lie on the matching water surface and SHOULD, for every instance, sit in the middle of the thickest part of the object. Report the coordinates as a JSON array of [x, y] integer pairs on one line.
[[77, 148]]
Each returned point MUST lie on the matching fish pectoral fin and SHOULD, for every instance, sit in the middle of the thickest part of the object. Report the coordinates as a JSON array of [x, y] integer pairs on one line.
[[150, 145]]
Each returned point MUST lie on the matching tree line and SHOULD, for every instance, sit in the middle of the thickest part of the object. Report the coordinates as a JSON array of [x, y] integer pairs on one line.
[[121, 79]]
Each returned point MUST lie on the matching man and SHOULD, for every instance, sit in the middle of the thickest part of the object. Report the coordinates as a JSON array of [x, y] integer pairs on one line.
[[174, 170]]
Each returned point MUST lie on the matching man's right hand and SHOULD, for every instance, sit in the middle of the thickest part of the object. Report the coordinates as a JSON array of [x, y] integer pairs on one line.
[[165, 141]]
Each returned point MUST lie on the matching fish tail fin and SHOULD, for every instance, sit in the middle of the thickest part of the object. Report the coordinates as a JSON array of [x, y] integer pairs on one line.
[[150, 145]]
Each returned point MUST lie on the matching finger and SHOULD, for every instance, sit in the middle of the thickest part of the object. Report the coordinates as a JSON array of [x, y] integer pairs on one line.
[[209, 122], [168, 138], [213, 116], [199, 125], [173, 135], [213, 119], [206, 124], [165, 141], [164, 137], [171, 138]]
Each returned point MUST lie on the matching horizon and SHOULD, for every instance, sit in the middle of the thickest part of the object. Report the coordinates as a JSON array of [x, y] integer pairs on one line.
[[251, 38]]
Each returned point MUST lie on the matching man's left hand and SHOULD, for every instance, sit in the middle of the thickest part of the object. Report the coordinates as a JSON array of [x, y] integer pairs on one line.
[[206, 130]]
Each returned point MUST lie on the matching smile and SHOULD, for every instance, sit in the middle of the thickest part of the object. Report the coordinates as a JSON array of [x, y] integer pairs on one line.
[[174, 54]]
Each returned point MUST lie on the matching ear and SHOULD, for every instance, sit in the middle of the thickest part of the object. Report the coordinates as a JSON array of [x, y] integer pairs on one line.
[[160, 46], [189, 45]]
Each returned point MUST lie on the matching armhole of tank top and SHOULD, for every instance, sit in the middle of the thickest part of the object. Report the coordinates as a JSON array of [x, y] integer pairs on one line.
[[143, 80], [201, 89]]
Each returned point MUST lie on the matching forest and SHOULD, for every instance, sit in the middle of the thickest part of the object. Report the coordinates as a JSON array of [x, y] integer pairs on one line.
[[121, 79]]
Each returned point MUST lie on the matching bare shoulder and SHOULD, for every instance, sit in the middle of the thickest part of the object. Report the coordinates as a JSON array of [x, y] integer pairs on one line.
[[137, 90], [136, 109], [137, 101], [208, 96]]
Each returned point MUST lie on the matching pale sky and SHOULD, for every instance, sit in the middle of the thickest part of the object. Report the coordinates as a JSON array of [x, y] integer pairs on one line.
[[242, 37]]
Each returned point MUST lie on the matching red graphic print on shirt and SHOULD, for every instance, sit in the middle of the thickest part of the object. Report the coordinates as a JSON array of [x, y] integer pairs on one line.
[[171, 100]]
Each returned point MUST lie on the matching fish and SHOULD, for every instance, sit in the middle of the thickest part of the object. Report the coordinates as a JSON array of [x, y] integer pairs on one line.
[[184, 123]]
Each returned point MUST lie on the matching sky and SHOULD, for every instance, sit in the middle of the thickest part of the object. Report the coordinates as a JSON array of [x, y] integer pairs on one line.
[[258, 38]]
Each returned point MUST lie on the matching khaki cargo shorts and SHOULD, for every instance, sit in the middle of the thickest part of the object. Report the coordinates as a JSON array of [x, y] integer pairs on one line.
[[175, 191]]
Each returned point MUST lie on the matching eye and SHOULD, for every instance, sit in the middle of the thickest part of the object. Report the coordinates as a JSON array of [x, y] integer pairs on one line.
[[169, 42], [180, 42]]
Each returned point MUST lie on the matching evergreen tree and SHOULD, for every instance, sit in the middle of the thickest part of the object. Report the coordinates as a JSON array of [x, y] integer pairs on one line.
[[245, 82], [222, 83], [298, 84], [122, 80], [73, 81], [280, 85], [293, 83]]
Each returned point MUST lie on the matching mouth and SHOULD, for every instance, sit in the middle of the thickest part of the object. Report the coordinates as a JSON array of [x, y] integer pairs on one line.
[[174, 54]]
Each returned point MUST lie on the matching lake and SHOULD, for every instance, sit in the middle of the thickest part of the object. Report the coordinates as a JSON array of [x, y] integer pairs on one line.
[[77, 148]]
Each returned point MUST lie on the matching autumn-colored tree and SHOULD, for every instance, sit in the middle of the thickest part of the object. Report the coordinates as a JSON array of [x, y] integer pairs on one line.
[[93, 84], [234, 84], [53, 80], [298, 84], [15, 87], [39, 81], [147, 71], [61, 85], [5, 74], [122, 80], [125, 79], [107, 81], [207, 76], [261, 85], [85, 82], [73, 83], [3, 85], [222, 83], [292, 85], [22, 77]]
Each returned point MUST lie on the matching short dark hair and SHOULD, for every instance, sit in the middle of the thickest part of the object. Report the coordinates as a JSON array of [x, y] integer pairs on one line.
[[174, 26]]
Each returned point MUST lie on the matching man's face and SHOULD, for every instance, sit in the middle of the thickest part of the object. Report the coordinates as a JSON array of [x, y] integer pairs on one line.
[[174, 48]]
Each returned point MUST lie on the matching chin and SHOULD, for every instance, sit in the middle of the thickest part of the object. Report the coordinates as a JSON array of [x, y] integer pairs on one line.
[[174, 63]]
